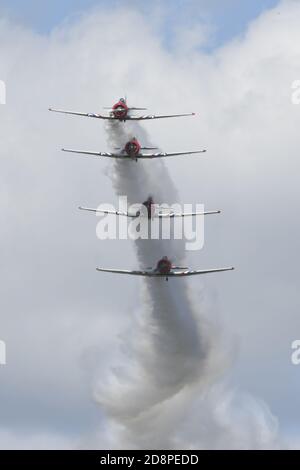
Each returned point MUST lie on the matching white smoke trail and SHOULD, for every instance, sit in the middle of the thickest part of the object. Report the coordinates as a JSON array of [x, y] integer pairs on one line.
[[164, 397]]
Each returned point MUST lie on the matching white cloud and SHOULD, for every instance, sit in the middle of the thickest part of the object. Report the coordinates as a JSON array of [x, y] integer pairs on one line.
[[62, 320]]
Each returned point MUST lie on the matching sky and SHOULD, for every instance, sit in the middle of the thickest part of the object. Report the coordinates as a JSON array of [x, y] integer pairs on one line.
[[66, 327], [227, 19]]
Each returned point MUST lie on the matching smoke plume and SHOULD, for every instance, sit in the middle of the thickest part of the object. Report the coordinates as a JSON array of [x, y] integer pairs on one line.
[[168, 394]]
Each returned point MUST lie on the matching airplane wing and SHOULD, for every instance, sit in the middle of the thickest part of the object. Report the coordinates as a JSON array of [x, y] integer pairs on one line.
[[75, 113], [105, 211], [164, 154], [159, 116], [124, 155], [185, 214], [199, 271], [125, 271], [160, 215], [157, 274], [96, 154], [126, 118]]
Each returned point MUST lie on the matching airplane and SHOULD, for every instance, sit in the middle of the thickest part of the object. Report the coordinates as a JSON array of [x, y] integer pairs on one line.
[[121, 112], [132, 151], [164, 268], [151, 211]]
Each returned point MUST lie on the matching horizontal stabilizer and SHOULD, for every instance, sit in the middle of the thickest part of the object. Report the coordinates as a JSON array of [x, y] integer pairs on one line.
[[148, 148]]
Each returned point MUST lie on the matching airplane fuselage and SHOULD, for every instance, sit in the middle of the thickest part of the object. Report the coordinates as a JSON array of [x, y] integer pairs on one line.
[[149, 204], [164, 266], [120, 110], [132, 148]]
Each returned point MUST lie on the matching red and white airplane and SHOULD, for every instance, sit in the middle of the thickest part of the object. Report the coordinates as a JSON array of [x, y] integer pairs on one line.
[[121, 112], [165, 268], [132, 151], [152, 212]]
